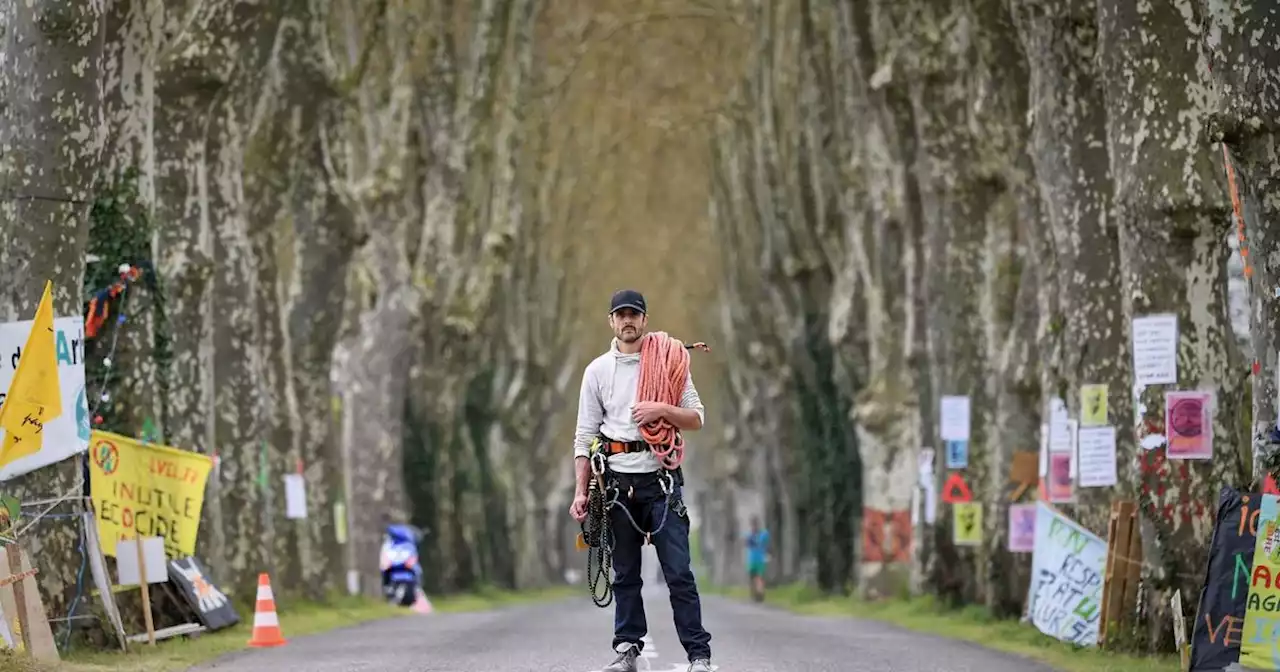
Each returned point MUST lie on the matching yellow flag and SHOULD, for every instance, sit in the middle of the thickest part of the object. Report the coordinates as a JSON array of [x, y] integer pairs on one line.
[[34, 397]]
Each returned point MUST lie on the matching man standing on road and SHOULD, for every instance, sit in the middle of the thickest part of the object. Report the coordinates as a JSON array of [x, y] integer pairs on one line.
[[608, 411]]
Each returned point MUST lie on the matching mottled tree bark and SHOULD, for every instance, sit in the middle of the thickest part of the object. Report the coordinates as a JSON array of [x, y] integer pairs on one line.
[[1008, 304], [956, 200], [1246, 80], [1069, 152], [884, 236], [138, 380], [53, 134], [300, 220], [205, 99], [184, 258], [1171, 210], [754, 429]]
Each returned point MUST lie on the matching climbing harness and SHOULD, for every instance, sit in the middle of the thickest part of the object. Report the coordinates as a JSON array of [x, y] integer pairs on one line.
[[664, 367], [603, 493]]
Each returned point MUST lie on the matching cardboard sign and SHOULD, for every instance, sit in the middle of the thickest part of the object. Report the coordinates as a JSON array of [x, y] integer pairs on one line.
[[212, 607], [1024, 471], [1219, 623]]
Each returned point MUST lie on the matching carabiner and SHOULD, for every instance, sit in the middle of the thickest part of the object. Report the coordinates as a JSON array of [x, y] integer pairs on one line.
[[597, 464], [667, 484]]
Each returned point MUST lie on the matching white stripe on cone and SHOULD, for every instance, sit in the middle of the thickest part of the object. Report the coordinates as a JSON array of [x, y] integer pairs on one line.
[[264, 593], [265, 619]]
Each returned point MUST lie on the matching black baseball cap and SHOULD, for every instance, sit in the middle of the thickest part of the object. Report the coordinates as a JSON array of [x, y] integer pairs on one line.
[[627, 298]]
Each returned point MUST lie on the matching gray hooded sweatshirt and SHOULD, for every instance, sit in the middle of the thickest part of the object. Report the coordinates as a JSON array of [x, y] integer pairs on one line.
[[604, 407]]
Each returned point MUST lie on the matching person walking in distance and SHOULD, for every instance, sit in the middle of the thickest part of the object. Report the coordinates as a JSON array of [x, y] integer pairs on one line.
[[650, 506], [757, 557]]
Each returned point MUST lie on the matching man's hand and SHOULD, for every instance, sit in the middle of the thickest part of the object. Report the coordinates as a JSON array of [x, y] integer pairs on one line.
[[645, 412], [579, 507]]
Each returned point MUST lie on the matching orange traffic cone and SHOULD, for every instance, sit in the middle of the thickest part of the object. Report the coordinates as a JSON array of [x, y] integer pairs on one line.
[[266, 626], [422, 605]]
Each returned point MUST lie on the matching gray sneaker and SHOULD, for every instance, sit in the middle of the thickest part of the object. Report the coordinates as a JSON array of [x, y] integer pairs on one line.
[[700, 665], [626, 661]]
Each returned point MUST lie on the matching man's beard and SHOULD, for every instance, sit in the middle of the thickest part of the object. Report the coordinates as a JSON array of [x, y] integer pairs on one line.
[[629, 336]]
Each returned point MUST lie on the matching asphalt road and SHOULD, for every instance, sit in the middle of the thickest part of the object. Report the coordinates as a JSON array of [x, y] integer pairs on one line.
[[574, 636]]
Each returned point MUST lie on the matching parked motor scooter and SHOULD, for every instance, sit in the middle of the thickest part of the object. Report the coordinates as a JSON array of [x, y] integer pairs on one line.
[[401, 571]]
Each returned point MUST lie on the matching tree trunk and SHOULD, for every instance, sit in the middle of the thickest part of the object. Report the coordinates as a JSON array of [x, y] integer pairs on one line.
[[54, 137], [204, 111], [1071, 166], [1009, 291], [123, 227], [1246, 78], [884, 238], [1170, 208], [298, 219]]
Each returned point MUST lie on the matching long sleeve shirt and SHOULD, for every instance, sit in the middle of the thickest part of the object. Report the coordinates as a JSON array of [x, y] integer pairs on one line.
[[605, 403]]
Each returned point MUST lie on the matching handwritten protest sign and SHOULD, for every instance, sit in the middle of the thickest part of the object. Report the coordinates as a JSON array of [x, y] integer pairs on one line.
[[1219, 624], [67, 434], [148, 490], [1066, 578], [1259, 645]]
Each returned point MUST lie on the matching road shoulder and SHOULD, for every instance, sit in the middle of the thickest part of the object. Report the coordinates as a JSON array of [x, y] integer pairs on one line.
[[971, 624], [296, 621]]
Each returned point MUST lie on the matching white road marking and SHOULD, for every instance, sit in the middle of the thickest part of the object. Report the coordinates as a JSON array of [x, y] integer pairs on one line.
[[651, 651]]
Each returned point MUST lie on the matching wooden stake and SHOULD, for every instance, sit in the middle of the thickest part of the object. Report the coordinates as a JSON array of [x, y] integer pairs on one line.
[[19, 595], [146, 593]]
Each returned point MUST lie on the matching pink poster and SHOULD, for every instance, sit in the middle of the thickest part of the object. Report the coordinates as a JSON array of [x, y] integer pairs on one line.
[[1188, 421], [1022, 528], [1060, 490]]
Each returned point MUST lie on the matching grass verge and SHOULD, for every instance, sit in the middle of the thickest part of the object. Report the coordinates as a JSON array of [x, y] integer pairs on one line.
[[297, 620], [973, 624]]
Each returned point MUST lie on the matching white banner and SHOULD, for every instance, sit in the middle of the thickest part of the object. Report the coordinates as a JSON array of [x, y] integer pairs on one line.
[[1066, 578], [67, 434]]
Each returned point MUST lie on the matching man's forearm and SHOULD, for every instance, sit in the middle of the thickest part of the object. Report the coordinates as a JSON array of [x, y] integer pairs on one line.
[[683, 418], [582, 475]]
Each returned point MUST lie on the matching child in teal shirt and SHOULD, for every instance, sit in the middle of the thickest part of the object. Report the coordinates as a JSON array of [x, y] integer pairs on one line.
[[757, 558]]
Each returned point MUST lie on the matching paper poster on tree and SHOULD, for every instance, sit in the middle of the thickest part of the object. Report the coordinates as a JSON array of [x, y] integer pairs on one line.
[[967, 523], [148, 490], [1093, 405]]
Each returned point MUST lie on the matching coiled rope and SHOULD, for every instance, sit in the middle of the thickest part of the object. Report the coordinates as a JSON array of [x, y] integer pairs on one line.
[[597, 534], [664, 368]]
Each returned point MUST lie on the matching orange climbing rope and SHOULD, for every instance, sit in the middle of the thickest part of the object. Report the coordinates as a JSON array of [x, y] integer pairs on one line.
[[664, 367]]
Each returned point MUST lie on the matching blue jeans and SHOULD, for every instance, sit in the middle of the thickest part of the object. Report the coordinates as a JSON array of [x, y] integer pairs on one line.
[[646, 504]]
